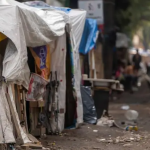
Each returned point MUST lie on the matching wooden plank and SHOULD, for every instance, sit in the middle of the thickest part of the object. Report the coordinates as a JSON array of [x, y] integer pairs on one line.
[[102, 80], [99, 66], [17, 99], [33, 139], [102, 88], [33, 104], [36, 132], [38, 146], [16, 125], [32, 120], [24, 110]]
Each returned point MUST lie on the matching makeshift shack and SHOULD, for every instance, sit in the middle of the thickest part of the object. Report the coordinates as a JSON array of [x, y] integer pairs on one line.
[[75, 20], [95, 90], [22, 26]]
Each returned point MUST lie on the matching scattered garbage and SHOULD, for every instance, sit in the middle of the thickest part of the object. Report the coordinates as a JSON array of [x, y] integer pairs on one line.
[[105, 121], [131, 128], [132, 115], [126, 139], [125, 107], [101, 140], [95, 131]]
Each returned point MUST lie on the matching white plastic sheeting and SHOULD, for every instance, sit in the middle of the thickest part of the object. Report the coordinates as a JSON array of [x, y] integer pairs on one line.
[[15, 67], [23, 134], [46, 25], [58, 63], [77, 21], [6, 126], [26, 26]]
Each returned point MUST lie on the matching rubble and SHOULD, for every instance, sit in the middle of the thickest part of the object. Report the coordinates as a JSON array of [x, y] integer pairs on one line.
[[123, 140]]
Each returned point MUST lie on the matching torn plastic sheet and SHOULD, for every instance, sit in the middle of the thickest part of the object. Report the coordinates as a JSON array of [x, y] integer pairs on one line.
[[36, 88]]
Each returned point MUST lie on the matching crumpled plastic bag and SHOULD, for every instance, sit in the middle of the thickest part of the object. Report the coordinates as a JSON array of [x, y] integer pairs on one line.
[[37, 88], [105, 121], [89, 110]]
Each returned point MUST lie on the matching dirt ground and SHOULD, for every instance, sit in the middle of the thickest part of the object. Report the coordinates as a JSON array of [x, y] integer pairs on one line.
[[105, 138]]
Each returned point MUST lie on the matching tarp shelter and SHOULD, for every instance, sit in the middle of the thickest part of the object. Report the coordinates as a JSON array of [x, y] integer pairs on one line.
[[31, 27], [24, 26], [89, 37], [76, 21]]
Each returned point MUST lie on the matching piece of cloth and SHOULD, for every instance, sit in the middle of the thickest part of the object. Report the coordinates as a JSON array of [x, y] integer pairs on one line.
[[26, 30], [89, 36]]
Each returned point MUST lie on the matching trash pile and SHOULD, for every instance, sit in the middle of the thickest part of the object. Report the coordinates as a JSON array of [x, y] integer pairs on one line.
[[126, 139]]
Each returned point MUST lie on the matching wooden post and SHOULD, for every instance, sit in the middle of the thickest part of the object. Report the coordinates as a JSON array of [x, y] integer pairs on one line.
[[16, 125]]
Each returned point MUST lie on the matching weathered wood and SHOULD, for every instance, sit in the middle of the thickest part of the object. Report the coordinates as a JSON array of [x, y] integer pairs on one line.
[[99, 66], [24, 109], [17, 99], [33, 139], [16, 125], [102, 80], [34, 104], [34, 146]]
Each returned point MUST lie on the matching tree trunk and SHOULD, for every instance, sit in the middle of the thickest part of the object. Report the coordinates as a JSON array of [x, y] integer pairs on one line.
[[109, 44]]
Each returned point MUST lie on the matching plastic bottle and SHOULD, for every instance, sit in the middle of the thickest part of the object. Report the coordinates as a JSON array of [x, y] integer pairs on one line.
[[132, 115]]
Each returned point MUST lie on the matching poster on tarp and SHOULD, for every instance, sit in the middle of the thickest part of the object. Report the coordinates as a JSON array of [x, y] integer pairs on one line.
[[41, 56], [94, 10], [37, 88]]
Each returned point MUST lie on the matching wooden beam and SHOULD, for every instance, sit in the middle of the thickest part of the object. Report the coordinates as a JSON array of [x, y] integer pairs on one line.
[[16, 125]]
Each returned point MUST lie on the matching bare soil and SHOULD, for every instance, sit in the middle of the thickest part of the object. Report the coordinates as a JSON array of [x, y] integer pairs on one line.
[[85, 138]]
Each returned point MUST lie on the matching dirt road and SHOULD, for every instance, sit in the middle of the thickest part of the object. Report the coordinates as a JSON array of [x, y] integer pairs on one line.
[[105, 138]]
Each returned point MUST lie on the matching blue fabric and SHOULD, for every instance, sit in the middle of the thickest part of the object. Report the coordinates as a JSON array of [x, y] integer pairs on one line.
[[88, 41], [43, 5], [65, 9]]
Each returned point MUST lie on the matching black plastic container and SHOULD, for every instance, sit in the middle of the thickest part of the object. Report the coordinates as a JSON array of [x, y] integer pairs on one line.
[[101, 100]]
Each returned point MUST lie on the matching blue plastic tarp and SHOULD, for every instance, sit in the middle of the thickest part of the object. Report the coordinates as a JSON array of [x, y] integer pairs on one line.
[[89, 36], [43, 5], [65, 9]]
